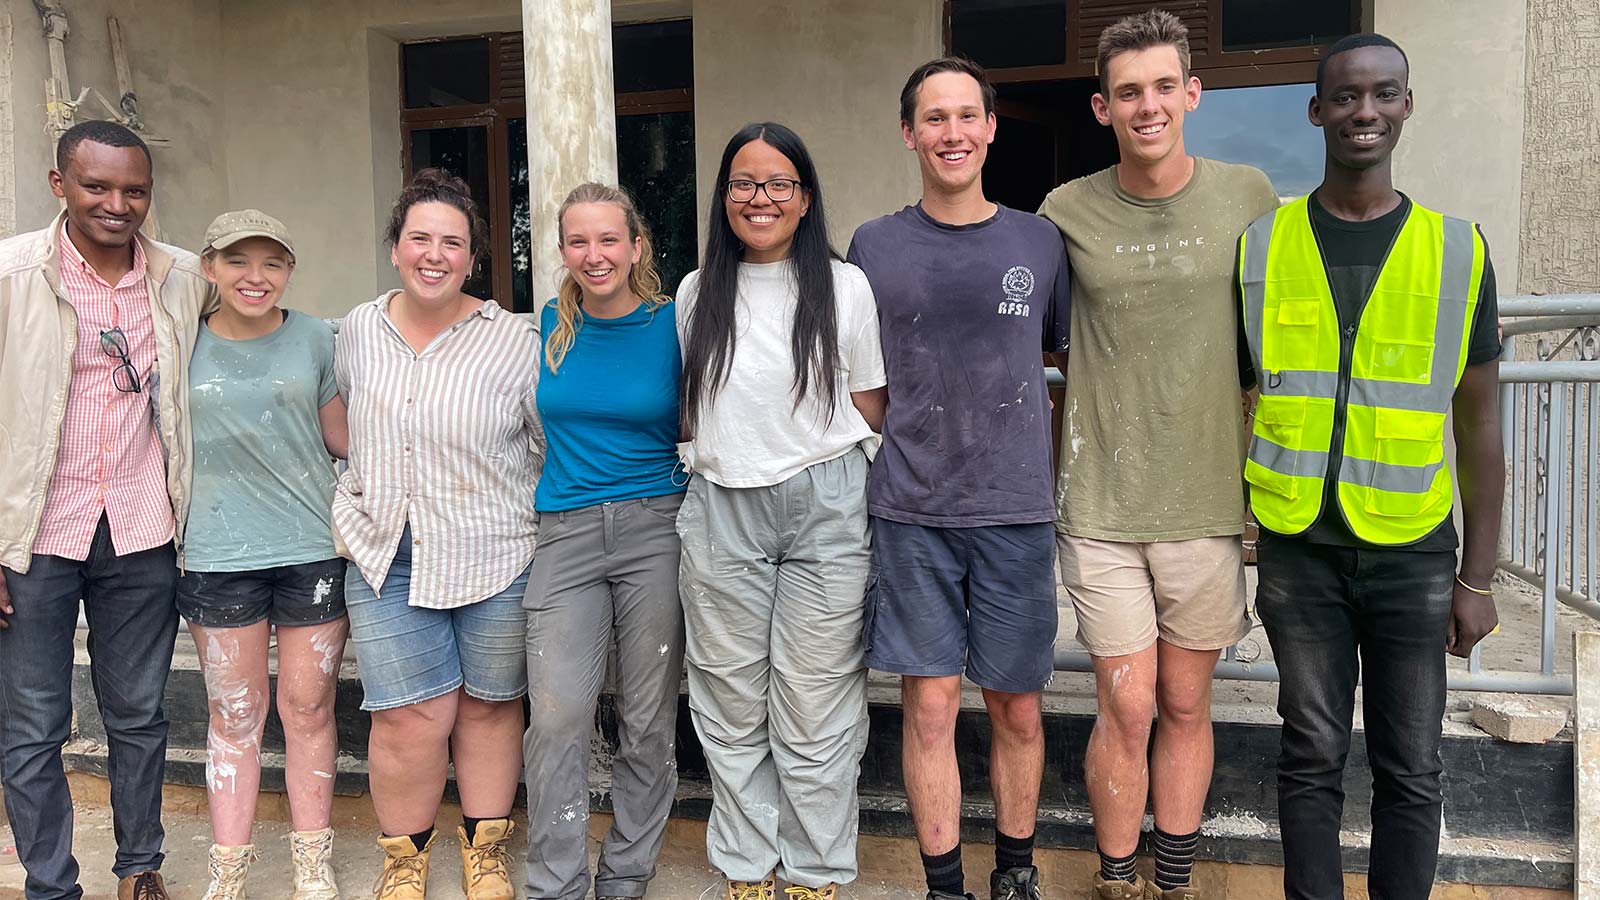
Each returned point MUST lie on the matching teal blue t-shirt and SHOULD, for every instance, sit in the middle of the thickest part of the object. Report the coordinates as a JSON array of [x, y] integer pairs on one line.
[[611, 414], [263, 481]]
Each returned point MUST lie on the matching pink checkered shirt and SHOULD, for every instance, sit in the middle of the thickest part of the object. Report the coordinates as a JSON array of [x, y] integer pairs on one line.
[[110, 460]]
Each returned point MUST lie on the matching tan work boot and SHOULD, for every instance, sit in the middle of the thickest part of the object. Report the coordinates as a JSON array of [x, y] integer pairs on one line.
[[405, 869], [1187, 892], [486, 860], [229, 866], [829, 891], [142, 886], [1121, 890], [313, 875], [765, 889]]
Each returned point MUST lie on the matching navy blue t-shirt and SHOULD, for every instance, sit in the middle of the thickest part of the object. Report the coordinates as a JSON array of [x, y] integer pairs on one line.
[[964, 313]]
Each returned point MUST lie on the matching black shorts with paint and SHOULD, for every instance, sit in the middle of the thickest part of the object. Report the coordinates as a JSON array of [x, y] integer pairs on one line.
[[306, 594]]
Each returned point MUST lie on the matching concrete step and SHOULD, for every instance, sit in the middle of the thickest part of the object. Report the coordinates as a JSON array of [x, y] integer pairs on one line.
[[1508, 807]]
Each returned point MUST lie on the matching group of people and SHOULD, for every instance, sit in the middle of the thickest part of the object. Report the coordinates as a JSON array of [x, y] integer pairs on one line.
[[796, 468]]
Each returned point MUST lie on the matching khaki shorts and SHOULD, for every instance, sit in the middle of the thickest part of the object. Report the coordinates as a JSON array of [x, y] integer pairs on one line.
[[1188, 593]]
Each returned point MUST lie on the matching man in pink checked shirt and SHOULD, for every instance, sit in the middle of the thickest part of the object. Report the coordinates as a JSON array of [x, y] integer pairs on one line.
[[97, 323]]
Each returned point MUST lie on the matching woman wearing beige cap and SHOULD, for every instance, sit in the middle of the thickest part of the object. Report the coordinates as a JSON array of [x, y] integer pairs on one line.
[[258, 551]]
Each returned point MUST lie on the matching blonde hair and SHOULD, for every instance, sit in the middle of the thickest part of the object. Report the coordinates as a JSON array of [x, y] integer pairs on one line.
[[1141, 31], [643, 279]]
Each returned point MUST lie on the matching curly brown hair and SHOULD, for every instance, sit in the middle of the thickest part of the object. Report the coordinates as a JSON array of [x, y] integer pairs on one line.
[[439, 186]]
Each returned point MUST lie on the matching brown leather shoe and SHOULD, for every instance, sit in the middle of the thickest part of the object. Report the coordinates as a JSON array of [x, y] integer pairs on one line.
[[142, 886]]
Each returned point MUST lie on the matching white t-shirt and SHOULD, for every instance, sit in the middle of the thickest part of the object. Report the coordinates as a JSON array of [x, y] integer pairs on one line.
[[751, 434]]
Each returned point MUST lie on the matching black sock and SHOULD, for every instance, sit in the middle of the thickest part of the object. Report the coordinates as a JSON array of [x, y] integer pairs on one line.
[[1012, 852], [1174, 858], [418, 840], [944, 872], [470, 825], [1117, 868]]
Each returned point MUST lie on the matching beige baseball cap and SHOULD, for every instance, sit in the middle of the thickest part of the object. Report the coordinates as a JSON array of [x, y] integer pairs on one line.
[[232, 227]]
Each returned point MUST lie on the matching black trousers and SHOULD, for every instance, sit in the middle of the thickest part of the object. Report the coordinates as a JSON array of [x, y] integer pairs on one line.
[[1333, 614]]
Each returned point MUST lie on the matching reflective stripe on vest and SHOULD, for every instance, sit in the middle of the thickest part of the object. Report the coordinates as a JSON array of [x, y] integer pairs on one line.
[[1394, 484]]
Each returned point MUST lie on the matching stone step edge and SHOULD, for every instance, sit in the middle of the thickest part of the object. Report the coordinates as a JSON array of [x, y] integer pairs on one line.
[[1240, 837]]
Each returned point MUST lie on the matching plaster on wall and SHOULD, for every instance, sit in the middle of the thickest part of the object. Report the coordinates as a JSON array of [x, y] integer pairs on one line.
[[172, 52], [8, 162], [1461, 153], [833, 75], [1561, 149]]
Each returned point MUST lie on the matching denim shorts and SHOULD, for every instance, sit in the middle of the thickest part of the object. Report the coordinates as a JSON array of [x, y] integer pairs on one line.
[[981, 600], [289, 596], [407, 654]]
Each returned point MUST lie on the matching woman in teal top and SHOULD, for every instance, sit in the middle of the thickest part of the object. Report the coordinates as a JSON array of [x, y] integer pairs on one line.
[[607, 560], [258, 550]]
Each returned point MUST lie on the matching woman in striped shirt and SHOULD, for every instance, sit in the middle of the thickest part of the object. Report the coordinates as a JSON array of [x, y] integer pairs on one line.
[[436, 513]]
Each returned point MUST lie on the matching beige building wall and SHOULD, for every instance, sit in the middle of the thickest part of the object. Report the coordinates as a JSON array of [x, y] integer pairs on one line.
[[1462, 149], [829, 69], [1561, 149], [173, 53]]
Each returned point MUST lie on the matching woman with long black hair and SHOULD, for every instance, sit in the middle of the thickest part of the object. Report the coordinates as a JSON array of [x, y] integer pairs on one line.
[[783, 389]]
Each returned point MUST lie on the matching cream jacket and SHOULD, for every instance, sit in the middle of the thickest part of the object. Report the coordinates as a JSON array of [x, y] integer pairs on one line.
[[38, 333]]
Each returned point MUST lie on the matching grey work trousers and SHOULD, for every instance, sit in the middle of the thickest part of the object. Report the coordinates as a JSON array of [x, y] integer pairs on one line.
[[602, 571], [773, 582]]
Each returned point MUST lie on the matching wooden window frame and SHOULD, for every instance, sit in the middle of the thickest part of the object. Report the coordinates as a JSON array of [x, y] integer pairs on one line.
[[507, 102]]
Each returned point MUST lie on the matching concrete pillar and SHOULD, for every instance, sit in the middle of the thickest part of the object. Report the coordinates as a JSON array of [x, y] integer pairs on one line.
[[1586, 759], [572, 126]]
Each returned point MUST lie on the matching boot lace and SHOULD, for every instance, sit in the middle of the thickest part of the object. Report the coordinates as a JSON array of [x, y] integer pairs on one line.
[[311, 870], [748, 890], [147, 886], [399, 872], [491, 861], [798, 892]]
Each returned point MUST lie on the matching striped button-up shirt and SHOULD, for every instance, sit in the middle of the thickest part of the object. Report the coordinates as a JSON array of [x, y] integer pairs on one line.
[[447, 440], [110, 460]]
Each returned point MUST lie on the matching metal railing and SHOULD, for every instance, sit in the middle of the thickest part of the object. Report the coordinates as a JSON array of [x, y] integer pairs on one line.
[[1550, 421]]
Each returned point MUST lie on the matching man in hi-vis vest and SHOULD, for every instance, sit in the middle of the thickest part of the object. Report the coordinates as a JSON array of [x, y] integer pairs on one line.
[[1368, 319]]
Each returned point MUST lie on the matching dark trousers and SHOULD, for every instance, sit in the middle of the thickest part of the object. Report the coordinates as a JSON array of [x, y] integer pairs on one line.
[[1333, 613], [133, 621]]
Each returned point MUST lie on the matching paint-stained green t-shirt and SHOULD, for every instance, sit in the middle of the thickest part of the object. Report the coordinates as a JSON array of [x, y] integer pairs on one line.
[[263, 480], [1153, 439]]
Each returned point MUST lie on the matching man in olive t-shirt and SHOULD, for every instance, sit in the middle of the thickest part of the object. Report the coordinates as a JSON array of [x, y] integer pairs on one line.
[[1150, 497]]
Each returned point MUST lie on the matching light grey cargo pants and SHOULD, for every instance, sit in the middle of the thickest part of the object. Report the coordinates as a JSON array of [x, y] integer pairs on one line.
[[773, 582], [602, 571]]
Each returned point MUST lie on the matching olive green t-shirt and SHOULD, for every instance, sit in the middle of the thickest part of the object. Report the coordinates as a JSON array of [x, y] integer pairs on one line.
[[1153, 439]]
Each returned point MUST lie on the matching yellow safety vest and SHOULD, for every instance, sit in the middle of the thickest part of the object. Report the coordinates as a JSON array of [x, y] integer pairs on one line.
[[1386, 391]]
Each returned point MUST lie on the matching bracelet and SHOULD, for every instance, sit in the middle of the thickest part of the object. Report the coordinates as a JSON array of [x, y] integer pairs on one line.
[[1469, 587]]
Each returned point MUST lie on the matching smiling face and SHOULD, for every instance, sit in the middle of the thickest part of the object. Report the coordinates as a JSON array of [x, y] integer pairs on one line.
[[434, 253], [766, 229], [597, 251], [1149, 96], [107, 193], [950, 132], [250, 275], [1363, 105]]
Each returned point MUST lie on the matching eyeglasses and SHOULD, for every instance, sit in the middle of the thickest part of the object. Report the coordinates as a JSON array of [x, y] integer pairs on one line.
[[777, 190], [124, 376]]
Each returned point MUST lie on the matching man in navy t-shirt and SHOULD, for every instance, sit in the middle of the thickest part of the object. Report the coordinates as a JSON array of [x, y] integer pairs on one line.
[[970, 294]]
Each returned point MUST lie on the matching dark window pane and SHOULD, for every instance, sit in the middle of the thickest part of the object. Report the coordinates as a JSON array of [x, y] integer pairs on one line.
[[446, 73], [655, 163], [654, 56], [1265, 127], [522, 299], [1002, 34], [463, 152], [1262, 24]]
